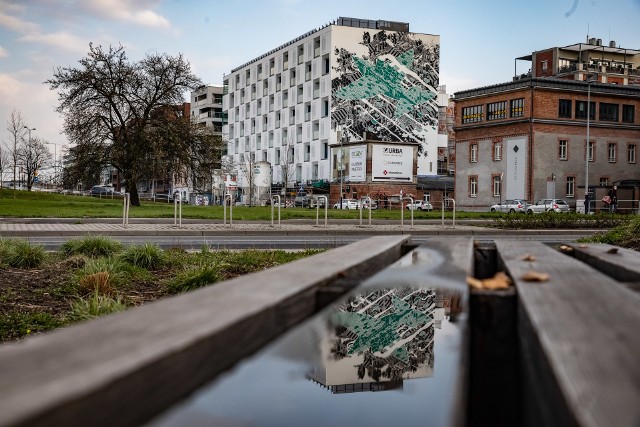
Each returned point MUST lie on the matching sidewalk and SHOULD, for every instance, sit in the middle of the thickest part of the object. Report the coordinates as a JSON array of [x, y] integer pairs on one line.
[[16, 227]]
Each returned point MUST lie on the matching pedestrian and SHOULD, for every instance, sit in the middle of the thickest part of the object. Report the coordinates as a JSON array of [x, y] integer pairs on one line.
[[587, 208], [613, 197]]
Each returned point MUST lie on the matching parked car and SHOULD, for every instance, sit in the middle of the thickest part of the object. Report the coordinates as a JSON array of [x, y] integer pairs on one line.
[[365, 204], [420, 205], [549, 205], [511, 206], [103, 190], [346, 204], [301, 199]]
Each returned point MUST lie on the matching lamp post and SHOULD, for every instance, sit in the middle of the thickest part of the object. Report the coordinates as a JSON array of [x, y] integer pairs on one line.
[[587, 152]]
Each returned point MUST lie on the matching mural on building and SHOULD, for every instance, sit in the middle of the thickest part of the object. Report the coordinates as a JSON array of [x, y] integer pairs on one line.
[[391, 92]]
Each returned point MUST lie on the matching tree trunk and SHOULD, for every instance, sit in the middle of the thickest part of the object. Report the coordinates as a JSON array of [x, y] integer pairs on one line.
[[132, 189]]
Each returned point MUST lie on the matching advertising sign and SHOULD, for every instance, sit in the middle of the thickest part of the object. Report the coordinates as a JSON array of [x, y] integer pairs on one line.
[[392, 163], [358, 163]]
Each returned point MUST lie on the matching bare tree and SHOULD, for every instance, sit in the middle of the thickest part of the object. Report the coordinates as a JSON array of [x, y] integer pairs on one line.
[[32, 156], [287, 163], [113, 103], [17, 130], [4, 162], [247, 166]]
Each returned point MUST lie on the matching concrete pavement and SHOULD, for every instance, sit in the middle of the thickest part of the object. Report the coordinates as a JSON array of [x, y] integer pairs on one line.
[[26, 227]]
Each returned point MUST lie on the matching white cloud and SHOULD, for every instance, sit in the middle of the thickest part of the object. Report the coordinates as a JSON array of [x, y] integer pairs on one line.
[[138, 12], [17, 25], [3, 52], [36, 103], [60, 39]]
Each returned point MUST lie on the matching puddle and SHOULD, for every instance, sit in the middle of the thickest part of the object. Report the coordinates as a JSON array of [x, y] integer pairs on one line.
[[385, 355]]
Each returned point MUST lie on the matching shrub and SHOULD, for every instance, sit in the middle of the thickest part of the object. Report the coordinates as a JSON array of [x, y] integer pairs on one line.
[[147, 256], [195, 278], [22, 254], [93, 246], [104, 274], [95, 306]]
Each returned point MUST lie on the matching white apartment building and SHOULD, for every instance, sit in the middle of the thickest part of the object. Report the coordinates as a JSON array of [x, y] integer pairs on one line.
[[349, 80], [206, 106]]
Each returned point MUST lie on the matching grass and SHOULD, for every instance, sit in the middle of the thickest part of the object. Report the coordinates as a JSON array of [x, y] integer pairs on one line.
[[76, 285], [91, 246], [25, 204], [21, 254], [626, 235]]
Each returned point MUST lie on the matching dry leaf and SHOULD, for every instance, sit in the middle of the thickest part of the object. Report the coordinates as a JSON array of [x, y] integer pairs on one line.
[[529, 257], [566, 248], [612, 251], [583, 246], [534, 276], [474, 283], [499, 281]]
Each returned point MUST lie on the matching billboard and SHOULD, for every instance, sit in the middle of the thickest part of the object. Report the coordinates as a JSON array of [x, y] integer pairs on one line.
[[358, 163], [392, 162]]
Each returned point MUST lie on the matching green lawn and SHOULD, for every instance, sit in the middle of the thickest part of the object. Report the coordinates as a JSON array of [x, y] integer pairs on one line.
[[25, 204]]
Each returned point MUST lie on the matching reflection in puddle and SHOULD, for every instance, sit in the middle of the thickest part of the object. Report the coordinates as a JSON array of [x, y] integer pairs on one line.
[[401, 339], [376, 340]]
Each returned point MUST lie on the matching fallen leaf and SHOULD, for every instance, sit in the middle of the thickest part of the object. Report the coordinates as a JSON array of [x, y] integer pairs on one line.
[[499, 281], [566, 248], [474, 283], [612, 251], [535, 276], [529, 257], [583, 246]]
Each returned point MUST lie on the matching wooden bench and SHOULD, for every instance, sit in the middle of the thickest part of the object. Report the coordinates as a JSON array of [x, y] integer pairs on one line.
[[579, 335]]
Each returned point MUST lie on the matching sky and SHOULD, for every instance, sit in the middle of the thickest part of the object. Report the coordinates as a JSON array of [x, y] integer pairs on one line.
[[479, 40]]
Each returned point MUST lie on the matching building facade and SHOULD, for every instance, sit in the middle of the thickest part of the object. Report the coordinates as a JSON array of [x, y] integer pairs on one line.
[[206, 106], [289, 106], [528, 138]]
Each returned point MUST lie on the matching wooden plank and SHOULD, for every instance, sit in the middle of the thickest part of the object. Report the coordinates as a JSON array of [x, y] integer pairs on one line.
[[579, 340], [127, 367], [620, 263]]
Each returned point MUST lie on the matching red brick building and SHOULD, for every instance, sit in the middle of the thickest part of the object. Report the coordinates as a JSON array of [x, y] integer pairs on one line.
[[528, 138]]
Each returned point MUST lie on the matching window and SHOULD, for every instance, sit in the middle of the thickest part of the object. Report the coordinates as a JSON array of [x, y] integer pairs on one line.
[[472, 114], [564, 108], [473, 186], [544, 65], [517, 107], [609, 112], [497, 150], [581, 110], [497, 110], [604, 181], [473, 153], [612, 149], [571, 186], [427, 196], [562, 149], [628, 113], [631, 153], [590, 151], [496, 186]]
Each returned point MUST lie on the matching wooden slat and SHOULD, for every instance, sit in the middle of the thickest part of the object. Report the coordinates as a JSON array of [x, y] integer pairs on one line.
[[619, 263], [579, 338], [131, 365]]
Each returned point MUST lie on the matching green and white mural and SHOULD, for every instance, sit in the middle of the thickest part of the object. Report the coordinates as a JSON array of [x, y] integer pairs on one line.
[[391, 90]]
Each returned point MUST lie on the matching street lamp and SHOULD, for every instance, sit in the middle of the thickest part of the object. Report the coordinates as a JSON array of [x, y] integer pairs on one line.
[[587, 152]]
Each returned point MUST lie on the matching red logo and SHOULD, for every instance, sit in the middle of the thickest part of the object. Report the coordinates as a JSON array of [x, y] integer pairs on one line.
[[385, 172]]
